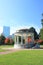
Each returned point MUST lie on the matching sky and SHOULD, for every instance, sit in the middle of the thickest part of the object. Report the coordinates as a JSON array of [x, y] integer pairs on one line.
[[18, 14]]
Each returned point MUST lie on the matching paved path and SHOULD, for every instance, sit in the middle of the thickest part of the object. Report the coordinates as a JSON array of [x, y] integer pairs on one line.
[[10, 50]]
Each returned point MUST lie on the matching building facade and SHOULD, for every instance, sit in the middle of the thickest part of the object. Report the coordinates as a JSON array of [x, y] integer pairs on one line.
[[24, 38], [6, 31], [21, 38]]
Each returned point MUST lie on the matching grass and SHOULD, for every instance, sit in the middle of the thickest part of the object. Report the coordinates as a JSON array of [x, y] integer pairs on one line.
[[24, 57], [41, 45], [1, 50], [5, 46]]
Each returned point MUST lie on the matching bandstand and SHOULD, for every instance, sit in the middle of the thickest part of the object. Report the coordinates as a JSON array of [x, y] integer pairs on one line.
[[21, 37]]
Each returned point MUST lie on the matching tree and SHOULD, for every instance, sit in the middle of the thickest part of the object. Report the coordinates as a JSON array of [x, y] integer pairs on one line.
[[41, 30], [36, 36], [7, 41], [2, 39], [41, 34]]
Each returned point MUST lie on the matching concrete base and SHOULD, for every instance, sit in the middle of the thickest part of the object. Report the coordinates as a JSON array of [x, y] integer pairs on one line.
[[17, 46]]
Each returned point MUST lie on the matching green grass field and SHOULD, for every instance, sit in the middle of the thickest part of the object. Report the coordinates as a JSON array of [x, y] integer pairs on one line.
[[1, 50], [24, 57], [5, 46]]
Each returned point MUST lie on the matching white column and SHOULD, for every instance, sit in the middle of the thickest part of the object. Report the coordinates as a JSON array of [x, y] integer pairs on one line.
[[25, 39], [17, 40], [21, 40]]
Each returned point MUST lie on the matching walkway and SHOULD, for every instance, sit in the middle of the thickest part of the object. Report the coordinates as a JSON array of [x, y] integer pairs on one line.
[[11, 50]]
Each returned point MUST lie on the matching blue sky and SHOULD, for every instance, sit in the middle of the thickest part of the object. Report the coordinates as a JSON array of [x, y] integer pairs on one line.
[[20, 14]]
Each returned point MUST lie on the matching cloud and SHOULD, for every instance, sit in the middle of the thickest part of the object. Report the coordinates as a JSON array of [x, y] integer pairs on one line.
[[14, 29]]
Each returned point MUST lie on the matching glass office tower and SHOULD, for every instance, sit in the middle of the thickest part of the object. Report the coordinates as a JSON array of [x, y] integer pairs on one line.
[[6, 31]]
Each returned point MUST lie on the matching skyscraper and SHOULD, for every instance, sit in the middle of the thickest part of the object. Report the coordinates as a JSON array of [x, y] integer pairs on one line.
[[6, 31]]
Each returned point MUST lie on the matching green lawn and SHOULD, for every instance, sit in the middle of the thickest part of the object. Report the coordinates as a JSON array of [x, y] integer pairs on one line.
[[24, 57], [5, 46], [1, 50]]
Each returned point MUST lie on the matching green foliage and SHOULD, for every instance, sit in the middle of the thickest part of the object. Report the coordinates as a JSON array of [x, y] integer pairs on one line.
[[41, 34], [25, 57], [36, 36], [2, 39]]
